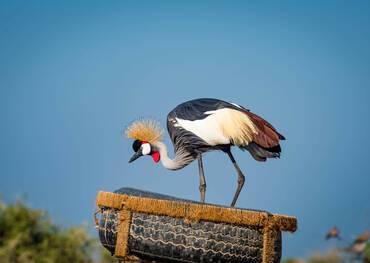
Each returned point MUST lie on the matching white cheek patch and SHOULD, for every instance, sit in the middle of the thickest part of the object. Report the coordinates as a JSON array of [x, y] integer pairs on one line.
[[146, 149]]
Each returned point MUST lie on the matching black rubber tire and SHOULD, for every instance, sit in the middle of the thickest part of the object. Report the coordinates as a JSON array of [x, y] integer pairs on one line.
[[175, 240], [108, 229], [168, 239]]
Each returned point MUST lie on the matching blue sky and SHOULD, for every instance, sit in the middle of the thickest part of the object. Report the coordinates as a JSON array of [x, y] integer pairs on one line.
[[75, 73]]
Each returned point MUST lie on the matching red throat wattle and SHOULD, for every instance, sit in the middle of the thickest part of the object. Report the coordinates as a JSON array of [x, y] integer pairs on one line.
[[156, 157]]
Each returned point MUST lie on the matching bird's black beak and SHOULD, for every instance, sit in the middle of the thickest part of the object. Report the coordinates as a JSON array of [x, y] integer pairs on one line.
[[135, 156]]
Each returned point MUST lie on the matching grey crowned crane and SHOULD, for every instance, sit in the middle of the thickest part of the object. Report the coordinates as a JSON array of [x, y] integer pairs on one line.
[[202, 125]]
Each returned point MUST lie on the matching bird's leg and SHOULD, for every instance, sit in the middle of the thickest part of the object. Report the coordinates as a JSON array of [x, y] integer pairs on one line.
[[202, 179], [241, 177]]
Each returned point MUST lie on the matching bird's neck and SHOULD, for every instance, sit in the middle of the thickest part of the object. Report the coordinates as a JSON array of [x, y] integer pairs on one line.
[[181, 159]]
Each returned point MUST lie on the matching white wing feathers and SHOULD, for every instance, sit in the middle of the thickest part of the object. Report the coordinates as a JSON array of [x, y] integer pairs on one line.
[[222, 126]]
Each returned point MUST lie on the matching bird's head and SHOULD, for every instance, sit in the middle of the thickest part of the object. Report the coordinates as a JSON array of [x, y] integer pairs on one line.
[[146, 134], [142, 148]]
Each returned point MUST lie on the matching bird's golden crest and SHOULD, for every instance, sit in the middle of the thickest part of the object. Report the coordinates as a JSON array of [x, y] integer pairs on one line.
[[145, 130]]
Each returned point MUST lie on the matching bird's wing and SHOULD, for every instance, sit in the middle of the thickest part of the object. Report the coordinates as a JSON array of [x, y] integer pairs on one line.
[[244, 127], [236, 123], [196, 109], [189, 111], [267, 136], [183, 139]]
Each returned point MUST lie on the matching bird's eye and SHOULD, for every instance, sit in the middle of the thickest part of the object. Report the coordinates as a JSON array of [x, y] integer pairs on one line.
[[146, 149], [136, 145]]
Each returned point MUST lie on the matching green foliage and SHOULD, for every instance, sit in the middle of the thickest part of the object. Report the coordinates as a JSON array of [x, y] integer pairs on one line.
[[367, 254], [28, 235]]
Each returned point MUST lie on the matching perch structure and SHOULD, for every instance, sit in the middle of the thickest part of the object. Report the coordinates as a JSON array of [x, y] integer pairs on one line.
[[144, 226]]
